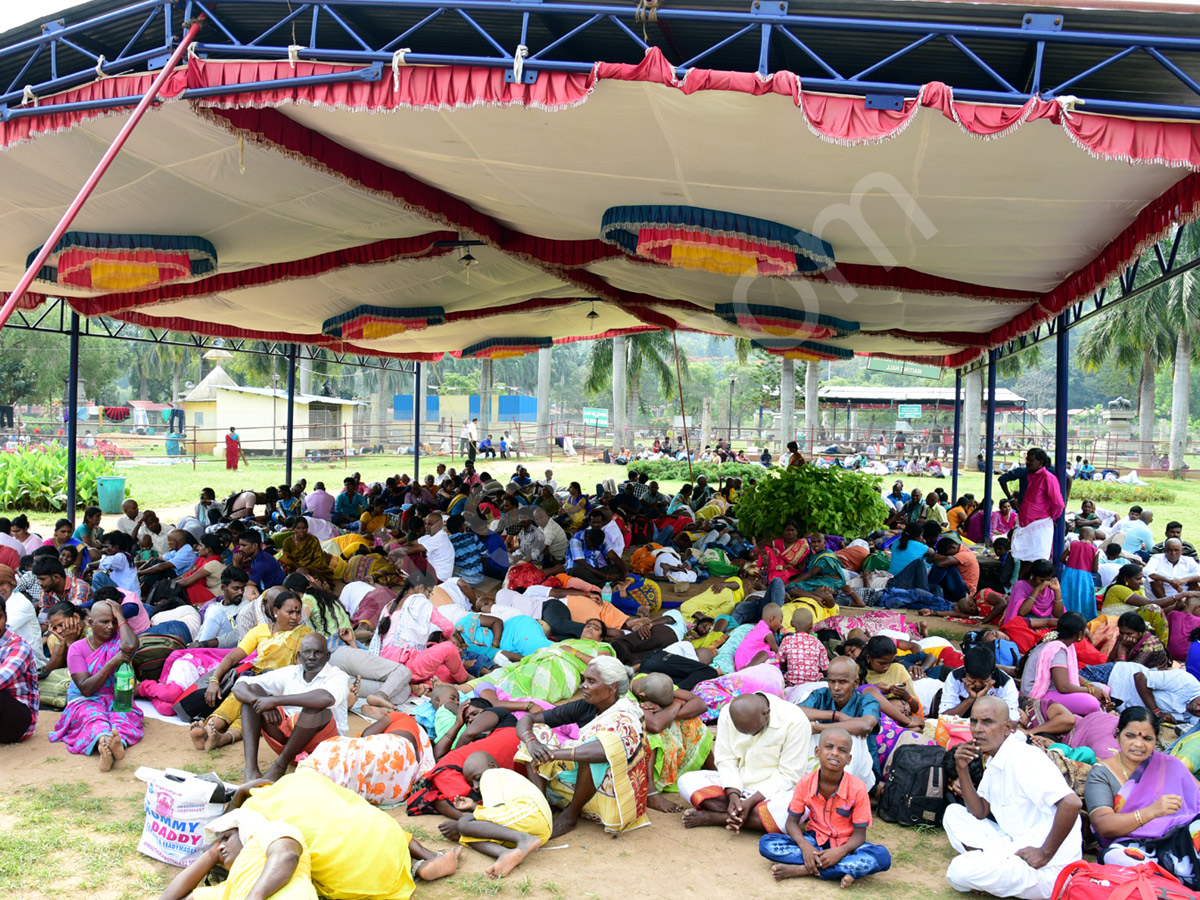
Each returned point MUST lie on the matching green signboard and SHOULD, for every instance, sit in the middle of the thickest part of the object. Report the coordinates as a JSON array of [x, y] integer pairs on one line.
[[908, 411], [595, 416], [903, 367]]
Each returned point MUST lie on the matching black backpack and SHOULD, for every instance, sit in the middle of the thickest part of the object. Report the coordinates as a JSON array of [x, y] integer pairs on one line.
[[915, 792]]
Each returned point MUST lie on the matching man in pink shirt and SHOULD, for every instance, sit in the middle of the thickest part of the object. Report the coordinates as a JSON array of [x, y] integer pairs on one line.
[[320, 502], [1041, 505]]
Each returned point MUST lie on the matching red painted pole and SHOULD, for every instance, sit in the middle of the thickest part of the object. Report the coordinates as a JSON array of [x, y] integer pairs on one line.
[[101, 167]]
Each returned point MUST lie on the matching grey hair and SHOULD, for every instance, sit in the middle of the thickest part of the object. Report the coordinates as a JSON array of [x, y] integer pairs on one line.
[[613, 671]]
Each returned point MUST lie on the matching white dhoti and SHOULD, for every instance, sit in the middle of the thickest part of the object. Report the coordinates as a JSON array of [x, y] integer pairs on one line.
[[988, 861], [529, 604], [705, 784], [1033, 541]]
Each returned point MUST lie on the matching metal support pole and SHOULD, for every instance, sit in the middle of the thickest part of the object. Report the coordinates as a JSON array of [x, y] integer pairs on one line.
[[417, 426], [989, 447], [957, 433], [72, 414], [1061, 399], [291, 412], [101, 167]]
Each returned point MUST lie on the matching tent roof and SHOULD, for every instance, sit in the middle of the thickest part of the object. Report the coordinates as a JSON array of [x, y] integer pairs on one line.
[[881, 394], [336, 209]]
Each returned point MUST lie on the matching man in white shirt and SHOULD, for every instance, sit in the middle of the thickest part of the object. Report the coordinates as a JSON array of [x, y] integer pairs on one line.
[[293, 708], [556, 538], [763, 747], [437, 549], [472, 439], [1033, 832], [1168, 692], [22, 617], [613, 539], [549, 481], [1170, 572], [978, 677], [441, 475], [129, 519]]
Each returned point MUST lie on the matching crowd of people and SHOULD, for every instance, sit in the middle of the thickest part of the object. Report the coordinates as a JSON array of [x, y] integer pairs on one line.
[[528, 654]]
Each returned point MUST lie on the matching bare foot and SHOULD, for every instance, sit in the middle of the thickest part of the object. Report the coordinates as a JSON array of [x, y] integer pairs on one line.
[[374, 712], [511, 859], [847, 881], [662, 804], [563, 823], [118, 748], [782, 871], [272, 774], [923, 628], [449, 829], [445, 863], [696, 818], [352, 697], [197, 733], [381, 701], [106, 754], [214, 738]]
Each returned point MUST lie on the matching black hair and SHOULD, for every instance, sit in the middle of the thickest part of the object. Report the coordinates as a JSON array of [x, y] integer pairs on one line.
[[231, 574], [878, 646], [22, 522], [1041, 455], [1041, 568], [1132, 714], [913, 531], [593, 538], [1170, 525], [118, 539], [252, 536], [92, 511], [1001, 541], [324, 618], [1112, 551], [946, 546], [1070, 625], [108, 593], [281, 598], [1129, 570], [61, 522], [66, 608], [49, 565], [213, 542], [1133, 622], [979, 661], [385, 621]]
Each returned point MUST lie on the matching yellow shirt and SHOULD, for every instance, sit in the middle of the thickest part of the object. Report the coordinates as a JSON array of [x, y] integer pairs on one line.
[[368, 524], [359, 852], [250, 863]]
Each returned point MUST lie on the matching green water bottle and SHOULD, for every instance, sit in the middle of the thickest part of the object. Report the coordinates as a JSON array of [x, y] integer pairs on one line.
[[123, 699]]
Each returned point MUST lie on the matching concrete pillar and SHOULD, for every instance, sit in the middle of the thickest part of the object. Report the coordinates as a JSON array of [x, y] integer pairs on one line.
[[542, 444], [812, 381], [485, 397], [619, 392], [419, 417], [305, 364], [705, 422], [972, 417], [787, 403]]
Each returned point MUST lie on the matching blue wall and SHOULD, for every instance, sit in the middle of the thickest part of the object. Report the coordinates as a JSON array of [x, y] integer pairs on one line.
[[402, 408]]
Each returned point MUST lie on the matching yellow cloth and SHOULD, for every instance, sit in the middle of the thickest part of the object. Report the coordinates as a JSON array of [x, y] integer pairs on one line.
[[368, 524], [896, 674], [347, 543], [818, 611], [712, 602], [511, 800], [274, 652], [250, 863], [358, 852]]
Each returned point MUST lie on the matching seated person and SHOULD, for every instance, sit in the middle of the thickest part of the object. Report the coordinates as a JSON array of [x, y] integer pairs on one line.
[[293, 708], [1020, 828], [677, 739], [762, 643], [264, 570], [804, 658], [1158, 800], [1038, 601], [763, 747], [18, 681], [842, 705], [261, 858], [588, 559], [978, 677], [511, 820], [827, 821], [609, 748]]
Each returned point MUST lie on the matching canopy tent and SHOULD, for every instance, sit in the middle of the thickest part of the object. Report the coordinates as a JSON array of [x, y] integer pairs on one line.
[[883, 397], [413, 210]]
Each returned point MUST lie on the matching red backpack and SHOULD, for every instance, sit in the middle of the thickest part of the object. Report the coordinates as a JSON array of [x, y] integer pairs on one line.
[[1092, 881]]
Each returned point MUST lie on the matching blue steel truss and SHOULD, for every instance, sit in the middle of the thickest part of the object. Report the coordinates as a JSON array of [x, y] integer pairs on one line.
[[883, 58], [1154, 271]]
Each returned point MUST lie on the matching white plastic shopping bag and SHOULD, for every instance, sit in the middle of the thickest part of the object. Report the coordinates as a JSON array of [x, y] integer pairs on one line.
[[178, 806]]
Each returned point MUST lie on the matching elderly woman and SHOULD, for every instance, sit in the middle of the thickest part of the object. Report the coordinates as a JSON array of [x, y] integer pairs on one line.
[[823, 568], [89, 723], [303, 551], [611, 786], [1143, 804]]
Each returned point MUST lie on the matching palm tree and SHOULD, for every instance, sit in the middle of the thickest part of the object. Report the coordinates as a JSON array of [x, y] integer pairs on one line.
[[1158, 327], [649, 354]]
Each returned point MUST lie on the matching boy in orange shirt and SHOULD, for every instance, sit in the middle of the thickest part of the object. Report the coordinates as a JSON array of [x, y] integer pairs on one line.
[[826, 829]]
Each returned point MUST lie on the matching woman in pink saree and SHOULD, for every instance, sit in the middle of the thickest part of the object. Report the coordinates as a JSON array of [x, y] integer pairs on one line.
[[89, 724], [1144, 804]]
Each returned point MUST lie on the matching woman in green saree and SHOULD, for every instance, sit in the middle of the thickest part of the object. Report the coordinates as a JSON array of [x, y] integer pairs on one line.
[[553, 673], [824, 569]]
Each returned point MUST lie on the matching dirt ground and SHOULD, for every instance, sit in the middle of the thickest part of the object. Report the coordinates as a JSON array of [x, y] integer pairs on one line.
[[664, 860]]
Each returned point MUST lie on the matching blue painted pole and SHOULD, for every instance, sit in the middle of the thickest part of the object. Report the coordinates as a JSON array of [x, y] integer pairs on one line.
[[417, 426], [989, 452], [72, 414], [1061, 399], [291, 412], [957, 433]]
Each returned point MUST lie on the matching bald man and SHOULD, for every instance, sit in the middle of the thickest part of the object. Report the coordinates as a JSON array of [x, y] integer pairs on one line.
[[764, 745], [1033, 832], [1171, 572], [293, 708]]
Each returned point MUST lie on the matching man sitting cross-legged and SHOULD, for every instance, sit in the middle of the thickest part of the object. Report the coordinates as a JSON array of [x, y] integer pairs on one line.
[[293, 708]]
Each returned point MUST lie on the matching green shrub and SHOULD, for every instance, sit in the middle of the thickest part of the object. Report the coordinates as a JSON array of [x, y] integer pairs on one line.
[[1111, 492], [833, 501], [677, 470], [37, 479]]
